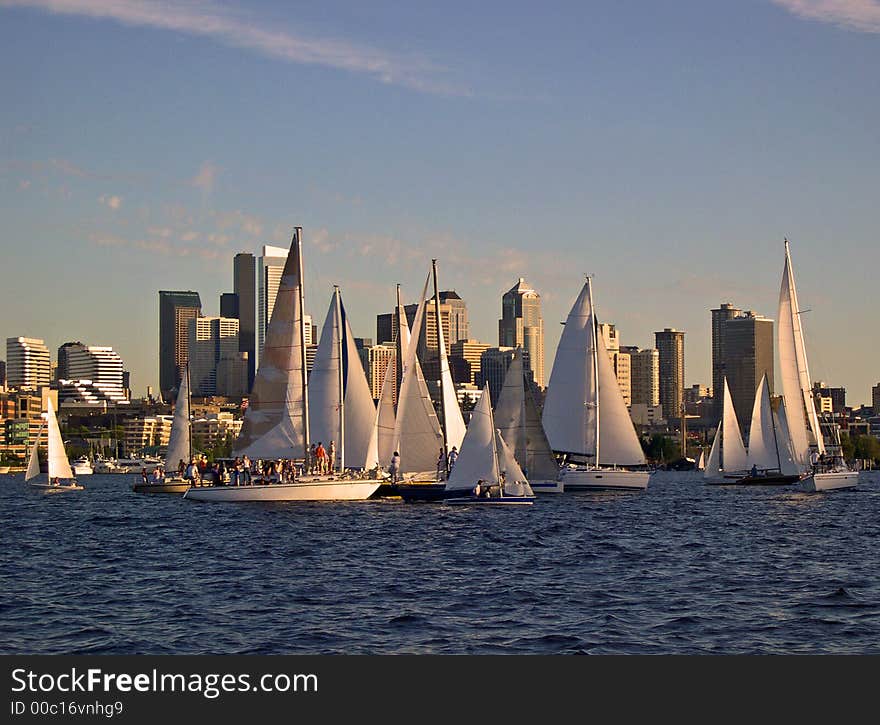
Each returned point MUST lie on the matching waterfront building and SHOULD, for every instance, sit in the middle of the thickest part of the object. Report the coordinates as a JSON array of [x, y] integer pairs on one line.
[[210, 340], [725, 311], [176, 310], [27, 362], [835, 397], [2, 374], [214, 429], [747, 356], [521, 325], [147, 432], [670, 347], [90, 375], [875, 399]]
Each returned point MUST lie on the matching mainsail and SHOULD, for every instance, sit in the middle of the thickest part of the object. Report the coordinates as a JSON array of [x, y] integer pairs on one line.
[[179, 448], [275, 421], [516, 416], [794, 370], [478, 459], [338, 379], [584, 411], [386, 414], [453, 422], [733, 452], [763, 446], [417, 433]]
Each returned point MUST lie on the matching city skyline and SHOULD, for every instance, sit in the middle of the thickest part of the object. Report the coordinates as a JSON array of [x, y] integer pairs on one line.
[[656, 150]]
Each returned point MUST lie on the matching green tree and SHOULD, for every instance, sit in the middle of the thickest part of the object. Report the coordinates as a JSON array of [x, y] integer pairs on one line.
[[867, 447]]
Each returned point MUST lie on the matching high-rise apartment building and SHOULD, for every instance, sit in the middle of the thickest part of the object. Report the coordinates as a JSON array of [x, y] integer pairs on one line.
[[644, 376], [27, 362], [724, 312], [521, 325], [670, 347], [459, 326], [836, 397], [375, 359], [620, 360], [875, 399], [176, 310], [748, 354], [90, 374], [210, 340]]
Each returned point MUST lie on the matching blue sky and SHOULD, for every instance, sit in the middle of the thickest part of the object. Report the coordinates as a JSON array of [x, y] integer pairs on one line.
[[665, 148]]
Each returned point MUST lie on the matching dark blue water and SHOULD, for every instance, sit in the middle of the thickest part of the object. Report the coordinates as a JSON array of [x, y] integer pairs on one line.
[[681, 568]]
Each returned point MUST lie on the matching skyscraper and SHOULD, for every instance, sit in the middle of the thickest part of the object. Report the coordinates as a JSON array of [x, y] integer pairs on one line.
[[27, 362], [269, 268], [244, 279], [644, 375], [459, 327], [521, 325], [375, 359], [494, 363], [620, 360], [748, 354], [875, 399], [176, 309], [724, 312], [210, 340], [670, 348], [470, 351]]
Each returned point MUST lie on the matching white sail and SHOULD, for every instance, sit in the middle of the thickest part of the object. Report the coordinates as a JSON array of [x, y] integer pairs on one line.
[[403, 337], [515, 481], [417, 433], [733, 452], [477, 460], [453, 422], [59, 466], [385, 415], [33, 469], [713, 465], [569, 416], [701, 462], [516, 416], [179, 440], [618, 442], [762, 433], [788, 463], [337, 360], [274, 425], [794, 370]]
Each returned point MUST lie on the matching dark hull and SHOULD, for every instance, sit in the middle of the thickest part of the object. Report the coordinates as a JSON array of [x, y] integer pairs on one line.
[[772, 480], [414, 492]]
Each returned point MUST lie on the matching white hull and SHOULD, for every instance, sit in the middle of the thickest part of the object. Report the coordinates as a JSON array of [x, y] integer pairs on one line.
[[82, 469], [327, 490], [547, 486], [4, 469], [835, 481], [585, 479], [54, 487]]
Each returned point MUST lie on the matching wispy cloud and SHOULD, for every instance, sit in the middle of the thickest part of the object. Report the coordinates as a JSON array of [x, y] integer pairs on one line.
[[113, 201], [206, 177], [862, 15], [234, 28]]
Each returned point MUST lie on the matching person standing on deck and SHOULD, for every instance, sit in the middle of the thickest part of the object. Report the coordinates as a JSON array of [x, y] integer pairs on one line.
[[394, 468], [331, 459]]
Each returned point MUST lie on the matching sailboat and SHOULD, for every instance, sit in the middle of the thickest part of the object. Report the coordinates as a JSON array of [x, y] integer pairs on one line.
[[179, 446], [517, 417], [728, 461], [701, 461], [585, 416], [58, 465], [276, 424], [803, 422], [486, 471], [768, 461], [423, 435]]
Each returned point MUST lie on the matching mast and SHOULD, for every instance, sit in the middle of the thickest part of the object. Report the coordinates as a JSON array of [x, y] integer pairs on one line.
[[297, 235], [339, 323], [594, 332], [398, 363], [441, 412]]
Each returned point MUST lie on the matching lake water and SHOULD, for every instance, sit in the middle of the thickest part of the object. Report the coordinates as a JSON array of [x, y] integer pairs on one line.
[[680, 568]]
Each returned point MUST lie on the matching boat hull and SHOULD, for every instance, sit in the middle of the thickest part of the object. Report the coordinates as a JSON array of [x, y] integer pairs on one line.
[[834, 481], [327, 490], [491, 501], [591, 479], [82, 470], [548, 486], [55, 488], [415, 492], [4, 469], [168, 486]]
